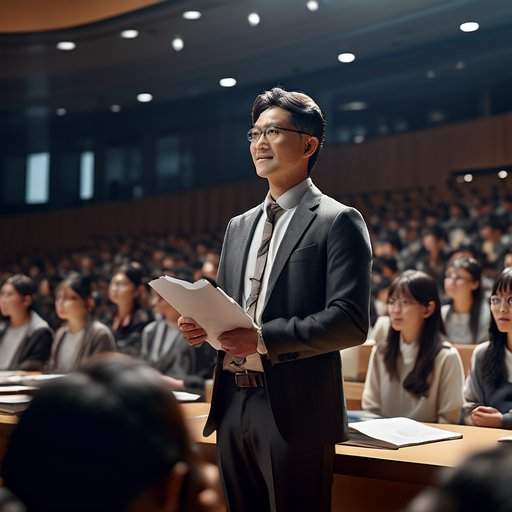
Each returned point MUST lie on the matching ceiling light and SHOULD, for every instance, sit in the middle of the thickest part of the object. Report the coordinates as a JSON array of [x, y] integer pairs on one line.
[[129, 34], [468, 178], [353, 106], [144, 97], [177, 44], [460, 65], [254, 19], [431, 74], [502, 174], [312, 5], [437, 116], [346, 58], [191, 15], [115, 108], [469, 26], [227, 82], [61, 111], [358, 139], [66, 45]]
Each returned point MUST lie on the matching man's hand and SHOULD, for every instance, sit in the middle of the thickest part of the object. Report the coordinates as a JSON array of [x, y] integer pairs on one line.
[[239, 342], [192, 332], [483, 416]]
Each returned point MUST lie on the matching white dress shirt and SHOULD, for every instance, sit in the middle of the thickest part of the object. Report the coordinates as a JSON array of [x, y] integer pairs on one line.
[[289, 202]]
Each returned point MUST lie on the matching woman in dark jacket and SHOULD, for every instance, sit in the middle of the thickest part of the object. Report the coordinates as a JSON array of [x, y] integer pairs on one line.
[[129, 318], [25, 338], [488, 389]]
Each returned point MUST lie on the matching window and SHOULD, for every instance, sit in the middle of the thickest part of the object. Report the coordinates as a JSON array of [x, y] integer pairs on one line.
[[38, 173], [86, 175]]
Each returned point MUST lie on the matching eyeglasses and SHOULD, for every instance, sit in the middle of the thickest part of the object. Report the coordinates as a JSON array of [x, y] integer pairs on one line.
[[402, 303], [270, 133], [496, 301]]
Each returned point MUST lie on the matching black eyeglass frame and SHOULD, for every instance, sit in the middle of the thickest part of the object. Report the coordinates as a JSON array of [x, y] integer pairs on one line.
[[264, 132]]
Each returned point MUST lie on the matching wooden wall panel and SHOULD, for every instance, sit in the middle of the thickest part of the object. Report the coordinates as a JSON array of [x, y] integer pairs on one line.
[[410, 160]]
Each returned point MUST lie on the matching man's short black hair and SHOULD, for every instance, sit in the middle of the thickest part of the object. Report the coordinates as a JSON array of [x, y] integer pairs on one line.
[[305, 113]]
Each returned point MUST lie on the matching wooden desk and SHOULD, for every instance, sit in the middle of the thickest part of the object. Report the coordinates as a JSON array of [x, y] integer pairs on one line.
[[353, 395], [370, 479]]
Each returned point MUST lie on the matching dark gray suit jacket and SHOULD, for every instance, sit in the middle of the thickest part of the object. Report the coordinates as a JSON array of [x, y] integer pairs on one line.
[[316, 304]]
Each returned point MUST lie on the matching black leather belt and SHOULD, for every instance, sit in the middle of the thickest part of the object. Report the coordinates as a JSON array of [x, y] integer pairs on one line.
[[249, 380]]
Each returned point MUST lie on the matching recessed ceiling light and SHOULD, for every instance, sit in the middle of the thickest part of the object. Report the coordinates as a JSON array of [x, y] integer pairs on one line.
[[354, 106], [254, 19], [431, 74], [177, 44], [115, 108], [469, 26], [358, 139], [66, 45], [346, 58], [61, 111], [227, 82], [437, 116], [144, 97], [129, 34], [192, 15], [312, 5], [460, 65], [468, 178], [502, 174]]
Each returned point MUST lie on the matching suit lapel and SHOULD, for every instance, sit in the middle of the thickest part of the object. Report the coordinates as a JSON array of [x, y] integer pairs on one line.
[[300, 222], [243, 239]]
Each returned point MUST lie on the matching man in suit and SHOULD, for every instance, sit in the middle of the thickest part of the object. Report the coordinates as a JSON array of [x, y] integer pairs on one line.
[[300, 264]]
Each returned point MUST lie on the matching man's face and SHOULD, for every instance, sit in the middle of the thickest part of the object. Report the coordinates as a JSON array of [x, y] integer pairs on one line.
[[284, 157]]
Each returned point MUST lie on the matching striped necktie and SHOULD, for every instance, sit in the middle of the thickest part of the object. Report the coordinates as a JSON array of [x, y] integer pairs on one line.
[[274, 211]]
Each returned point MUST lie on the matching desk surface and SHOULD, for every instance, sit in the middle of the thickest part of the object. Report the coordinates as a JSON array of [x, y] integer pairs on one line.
[[413, 464]]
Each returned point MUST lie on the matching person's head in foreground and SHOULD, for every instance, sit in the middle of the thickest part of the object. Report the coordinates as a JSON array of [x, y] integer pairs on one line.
[[481, 483], [110, 437]]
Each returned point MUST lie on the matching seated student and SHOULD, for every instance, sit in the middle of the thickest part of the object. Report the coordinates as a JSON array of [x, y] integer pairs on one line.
[[109, 438], [481, 482], [414, 372], [467, 317], [129, 317], [25, 338], [82, 336], [164, 348], [488, 389]]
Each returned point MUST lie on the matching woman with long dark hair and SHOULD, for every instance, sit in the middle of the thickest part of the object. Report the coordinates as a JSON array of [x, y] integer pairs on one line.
[[488, 389], [129, 318], [25, 338], [81, 336], [415, 372], [467, 317]]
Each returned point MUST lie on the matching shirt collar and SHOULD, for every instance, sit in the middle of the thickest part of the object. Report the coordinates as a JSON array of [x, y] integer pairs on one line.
[[291, 198]]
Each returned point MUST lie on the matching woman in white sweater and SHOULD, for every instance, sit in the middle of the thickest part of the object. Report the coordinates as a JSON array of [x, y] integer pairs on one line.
[[414, 372]]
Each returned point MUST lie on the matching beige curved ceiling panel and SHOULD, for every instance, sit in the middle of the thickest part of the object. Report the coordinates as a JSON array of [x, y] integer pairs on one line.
[[43, 15]]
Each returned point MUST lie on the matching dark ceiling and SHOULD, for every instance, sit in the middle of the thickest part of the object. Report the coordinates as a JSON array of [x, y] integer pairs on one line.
[[398, 45]]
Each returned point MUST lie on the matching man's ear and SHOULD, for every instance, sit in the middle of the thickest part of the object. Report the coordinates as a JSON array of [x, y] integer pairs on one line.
[[27, 301], [311, 146]]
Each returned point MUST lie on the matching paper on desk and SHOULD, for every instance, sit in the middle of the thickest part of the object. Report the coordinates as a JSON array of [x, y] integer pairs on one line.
[[183, 396], [210, 307]]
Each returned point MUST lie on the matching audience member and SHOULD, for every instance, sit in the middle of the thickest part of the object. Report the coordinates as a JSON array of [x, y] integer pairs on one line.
[[414, 372], [82, 336], [110, 438], [481, 482], [164, 348], [466, 317], [129, 318], [25, 338], [488, 389]]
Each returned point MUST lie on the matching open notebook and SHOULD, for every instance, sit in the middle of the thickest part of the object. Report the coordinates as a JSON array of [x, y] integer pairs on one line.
[[394, 433]]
